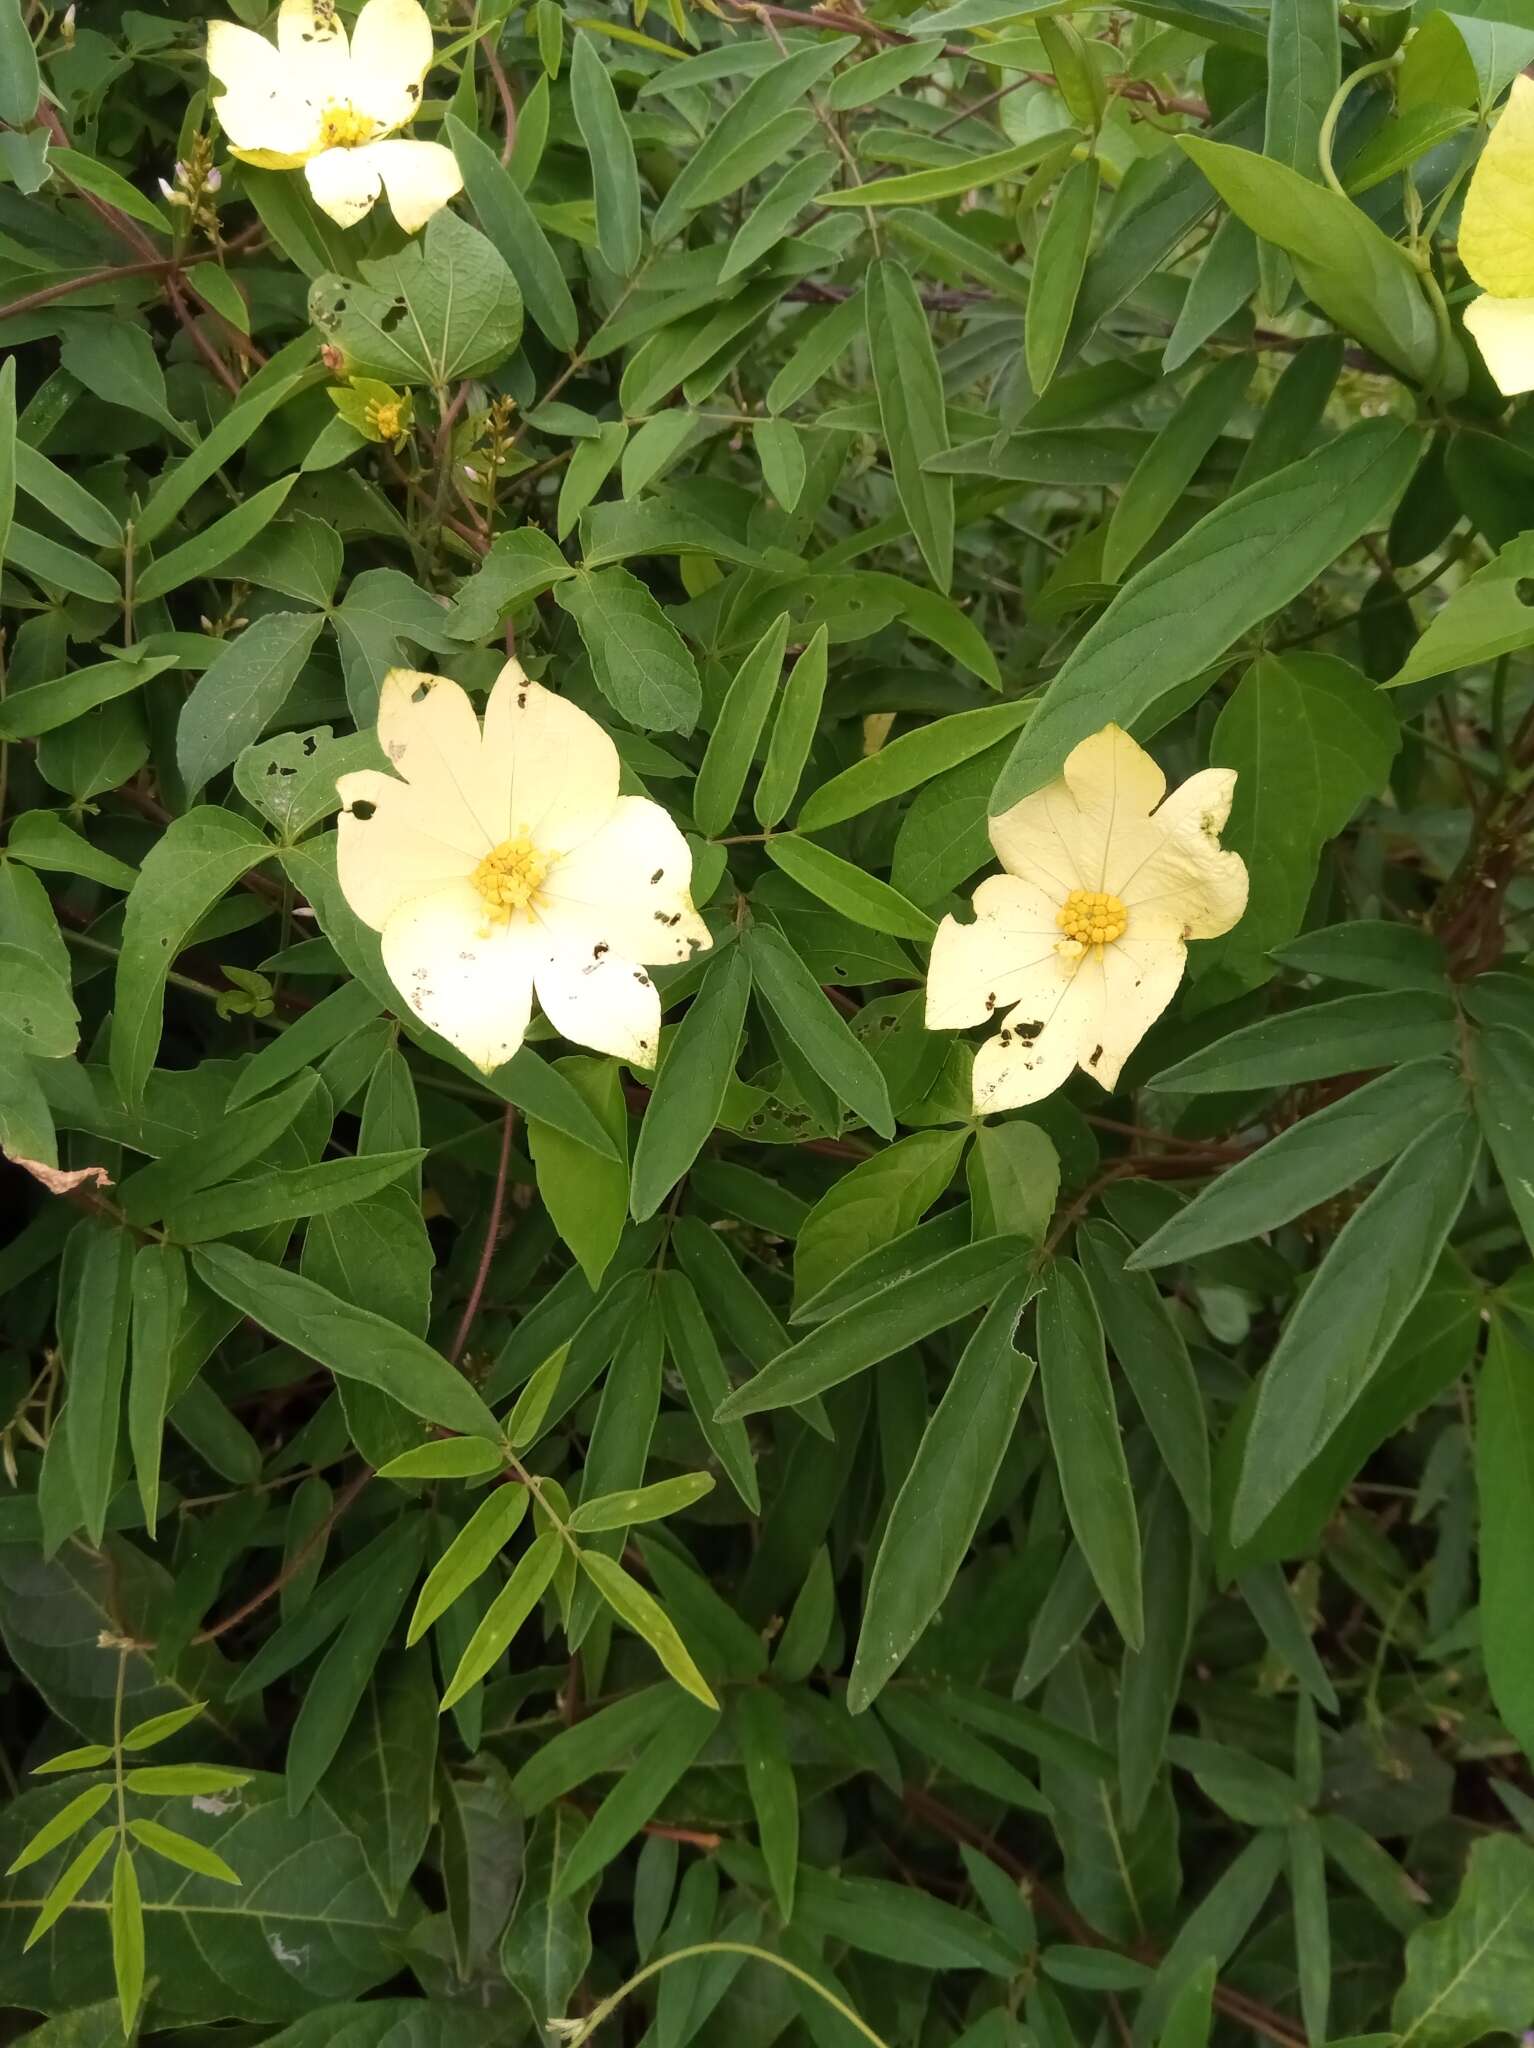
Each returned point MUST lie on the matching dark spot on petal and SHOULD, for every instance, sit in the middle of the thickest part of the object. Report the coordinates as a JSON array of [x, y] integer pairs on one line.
[[600, 950], [362, 810], [521, 700], [656, 876], [1029, 1032], [990, 1002], [1097, 1053]]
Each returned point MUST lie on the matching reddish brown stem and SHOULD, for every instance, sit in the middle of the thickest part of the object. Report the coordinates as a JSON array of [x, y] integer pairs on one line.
[[294, 1565], [492, 1232]]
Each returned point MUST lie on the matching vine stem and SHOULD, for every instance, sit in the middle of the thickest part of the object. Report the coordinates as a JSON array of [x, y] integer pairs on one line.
[[610, 2004], [492, 1232]]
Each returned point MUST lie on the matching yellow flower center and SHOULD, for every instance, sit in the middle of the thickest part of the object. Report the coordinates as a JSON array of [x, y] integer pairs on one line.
[[1091, 917], [343, 126], [384, 420], [510, 876]]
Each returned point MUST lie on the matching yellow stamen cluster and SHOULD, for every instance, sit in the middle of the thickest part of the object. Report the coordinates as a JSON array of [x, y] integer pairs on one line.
[[510, 876], [1091, 917], [343, 126], [386, 421]]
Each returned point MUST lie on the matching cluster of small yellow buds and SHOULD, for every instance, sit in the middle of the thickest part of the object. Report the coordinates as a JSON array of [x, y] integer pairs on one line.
[[1092, 917], [375, 410]]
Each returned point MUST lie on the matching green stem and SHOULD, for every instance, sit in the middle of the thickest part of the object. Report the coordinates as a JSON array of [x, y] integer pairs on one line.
[[1334, 114], [714, 1948]]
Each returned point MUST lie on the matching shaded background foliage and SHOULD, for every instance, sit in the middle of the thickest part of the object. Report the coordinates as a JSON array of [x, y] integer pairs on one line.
[[853, 411]]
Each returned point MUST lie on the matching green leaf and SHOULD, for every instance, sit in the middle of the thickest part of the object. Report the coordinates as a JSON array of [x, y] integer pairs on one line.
[[1504, 1444], [738, 730], [922, 188], [454, 1457], [159, 1302], [674, 1746], [514, 232], [380, 1784], [943, 1496], [1504, 1088], [1089, 1452], [1354, 272], [768, 222], [1309, 739], [807, 1015], [471, 1553], [43, 707], [1171, 462], [848, 888], [591, 463], [912, 1306], [614, 173], [351, 1341], [506, 1614], [1486, 617], [96, 1285], [1338, 1336], [641, 663], [1347, 1035], [1177, 615], [1154, 1359], [66, 1822], [208, 1946], [127, 1916], [636, 1609], [609, 1511], [85, 515], [180, 1849], [756, 1721], [1470, 1975], [207, 552], [1014, 1181], [19, 82], [1304, 69], [276, 1197], [907, 762], [1059, 267], [909, 386], [1153, 1675], [10, 28], [899, 1923], [752, 138], [46, 562], [464, 309], [694, 1351], [242, 691], [1308, 1163], [180, 481], [880, 1199], [199, 856], [37, 1010], [587, 1198], [695, 1072]]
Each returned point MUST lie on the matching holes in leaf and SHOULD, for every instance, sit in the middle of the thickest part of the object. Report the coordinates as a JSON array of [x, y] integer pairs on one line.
[[1523, 590]]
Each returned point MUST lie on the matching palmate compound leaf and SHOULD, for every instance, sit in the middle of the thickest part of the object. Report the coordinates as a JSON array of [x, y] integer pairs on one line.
[[212, 1951], [445, 307]]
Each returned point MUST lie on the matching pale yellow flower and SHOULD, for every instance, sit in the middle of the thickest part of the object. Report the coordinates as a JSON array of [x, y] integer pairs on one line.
[[314, 101], [1496, 245], [1079, 946], [505, 861]]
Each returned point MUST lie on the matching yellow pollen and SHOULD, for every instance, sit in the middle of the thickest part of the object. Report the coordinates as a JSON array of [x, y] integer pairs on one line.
[[510, 876], [342, 126], [384, 419], [1091, 917]]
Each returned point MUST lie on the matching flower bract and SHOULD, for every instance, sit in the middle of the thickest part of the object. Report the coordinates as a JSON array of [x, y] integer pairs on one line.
[[315, 100], [503, 860], [1080, 945]]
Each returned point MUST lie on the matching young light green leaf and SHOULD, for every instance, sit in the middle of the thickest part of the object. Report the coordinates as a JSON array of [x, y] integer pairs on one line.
[[640, 1504], [472, 1551], [510, 1608], [181, 1849]]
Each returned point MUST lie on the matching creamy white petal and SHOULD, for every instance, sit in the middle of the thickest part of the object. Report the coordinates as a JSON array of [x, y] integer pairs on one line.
[[427, 727], [393, 844], [259, 106], [1504, 333], [1040, 1039], [391, 55], [1136, 978], [609, 1004], [563, 768], [345, 183], [1187, 877], [419, 177], [311, 42], [1114, 785], [626, 888], [476, 991], [1031, 841], [980, 968]]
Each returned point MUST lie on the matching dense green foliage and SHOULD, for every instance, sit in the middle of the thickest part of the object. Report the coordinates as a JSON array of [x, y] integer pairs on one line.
[[1051, 1578]]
